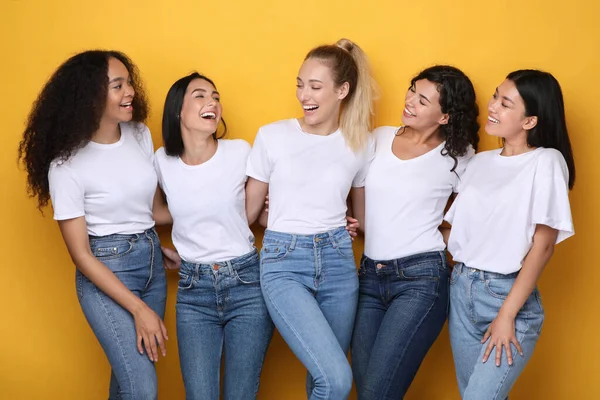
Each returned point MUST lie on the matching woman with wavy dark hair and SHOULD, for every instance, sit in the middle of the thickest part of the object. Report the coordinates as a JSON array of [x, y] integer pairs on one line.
[[403, 273], [513, 208], [86, 148]]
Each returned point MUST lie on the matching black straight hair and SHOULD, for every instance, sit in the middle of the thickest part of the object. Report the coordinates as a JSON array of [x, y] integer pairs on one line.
[[542, 96], [171, 124]]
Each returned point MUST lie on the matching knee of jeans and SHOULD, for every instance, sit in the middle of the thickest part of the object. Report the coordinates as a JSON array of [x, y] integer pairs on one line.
[[340, 383], [144, 389]]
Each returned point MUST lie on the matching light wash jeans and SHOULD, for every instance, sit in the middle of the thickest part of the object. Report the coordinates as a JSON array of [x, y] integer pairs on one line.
[[137, 261], [475, 300], [310, 285]]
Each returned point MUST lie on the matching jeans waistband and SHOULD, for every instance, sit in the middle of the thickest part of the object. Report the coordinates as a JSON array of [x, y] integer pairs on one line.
[[483, 275], [329, 238], [126, 236], [404, 262], [235, 264]]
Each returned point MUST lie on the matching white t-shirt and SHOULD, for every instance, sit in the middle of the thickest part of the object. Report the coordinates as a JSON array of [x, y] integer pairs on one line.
[[208, 203], [501, 201], [112, 185], [309, 176], [405, 199]]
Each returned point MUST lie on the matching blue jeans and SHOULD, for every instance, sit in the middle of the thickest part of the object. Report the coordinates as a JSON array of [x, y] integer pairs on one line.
[[136, 260], [310, 286], [402, 308], [475, 299], [220, 306]]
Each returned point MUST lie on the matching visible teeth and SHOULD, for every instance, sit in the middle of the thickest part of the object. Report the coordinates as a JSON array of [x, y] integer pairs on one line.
[[310, 108], [408, 112], [125, 104], [208, 114], [493, 120]]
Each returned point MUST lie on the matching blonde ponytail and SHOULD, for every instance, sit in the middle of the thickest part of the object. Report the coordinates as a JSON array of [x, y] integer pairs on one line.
[[350, 64]]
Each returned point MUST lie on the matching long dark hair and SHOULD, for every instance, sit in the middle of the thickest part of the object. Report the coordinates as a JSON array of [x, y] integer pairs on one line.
[[457, 99], [68, 111], [543, 98], [171, 125]]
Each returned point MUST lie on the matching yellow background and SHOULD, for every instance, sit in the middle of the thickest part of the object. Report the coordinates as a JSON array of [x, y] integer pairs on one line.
[[253, 49]]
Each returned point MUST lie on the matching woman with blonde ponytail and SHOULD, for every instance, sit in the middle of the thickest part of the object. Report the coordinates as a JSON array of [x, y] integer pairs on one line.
[[309, 166]]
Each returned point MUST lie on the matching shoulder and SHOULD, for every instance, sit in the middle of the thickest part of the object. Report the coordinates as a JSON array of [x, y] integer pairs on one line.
[[385, 131], [278, 127], [235, 145], [550, 162]]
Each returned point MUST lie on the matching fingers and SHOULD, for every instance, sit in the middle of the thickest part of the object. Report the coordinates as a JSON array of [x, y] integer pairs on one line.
[[163, 329], [514, 341], [139, 344], [161, 344], [509, 355], [498, 354], [488, 350], [153, 347], [488, 333], [148, 347], [351, 220]]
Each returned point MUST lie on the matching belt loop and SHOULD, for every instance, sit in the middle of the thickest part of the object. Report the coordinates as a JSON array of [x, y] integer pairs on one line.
[[332, 239], [397, 266], [482, 275], [293, 243], [229, 267], [196, 271]]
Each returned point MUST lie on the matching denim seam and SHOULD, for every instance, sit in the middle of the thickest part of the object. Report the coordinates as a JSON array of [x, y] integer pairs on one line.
[[113, 256], [306, 348], [506, 373], [414, 333], [118, 340], [151, 260]]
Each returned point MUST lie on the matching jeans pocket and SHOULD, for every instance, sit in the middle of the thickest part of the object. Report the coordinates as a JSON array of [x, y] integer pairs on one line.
[[425, 271], [110, 249], [344, 247], [499, 288], [248, 276], [185, 281], [273, 252]]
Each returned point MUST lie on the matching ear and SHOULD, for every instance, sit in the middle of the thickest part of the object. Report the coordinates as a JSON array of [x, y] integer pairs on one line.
[[530, 123], [343, 90], [444, 120]]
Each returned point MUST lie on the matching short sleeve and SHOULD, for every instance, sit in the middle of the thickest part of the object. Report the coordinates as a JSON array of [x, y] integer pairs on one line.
[[366, 159], [158, 157], [146, 142], [259, 165], [461, 169], [66, 192], [550, 204]]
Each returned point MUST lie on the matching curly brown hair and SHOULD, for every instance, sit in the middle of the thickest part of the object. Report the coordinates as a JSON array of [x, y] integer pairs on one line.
[[67, 113]]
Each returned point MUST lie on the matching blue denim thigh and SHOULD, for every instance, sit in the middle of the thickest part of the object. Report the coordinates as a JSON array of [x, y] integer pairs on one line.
[[136, 260], [311, 290], [220, 306], [402, 308], [475, 299]]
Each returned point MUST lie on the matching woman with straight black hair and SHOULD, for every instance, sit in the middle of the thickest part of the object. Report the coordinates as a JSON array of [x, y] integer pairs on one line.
[[513, 208], [220, 306]]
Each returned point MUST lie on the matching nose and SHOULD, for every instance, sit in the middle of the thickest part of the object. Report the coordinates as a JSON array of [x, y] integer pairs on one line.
[[302, 95], [492, 105], [129, 90]]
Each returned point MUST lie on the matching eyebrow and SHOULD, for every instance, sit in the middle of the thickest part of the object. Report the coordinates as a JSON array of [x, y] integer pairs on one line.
[[310, 80], [505, 98], [204, 90], [423, 97], [118, 79]]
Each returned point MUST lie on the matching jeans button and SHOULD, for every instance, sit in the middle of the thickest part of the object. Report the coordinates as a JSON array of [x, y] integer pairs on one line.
[[379, 266]]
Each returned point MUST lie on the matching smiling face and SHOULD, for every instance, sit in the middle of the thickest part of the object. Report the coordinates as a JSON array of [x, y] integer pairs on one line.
[[422, 108], [201, 110], [120, 93], [317, 93], [506, 113]]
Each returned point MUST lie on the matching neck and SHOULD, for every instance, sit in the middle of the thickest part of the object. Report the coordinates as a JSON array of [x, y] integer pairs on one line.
[[197, 147], [107, 133], [516, 146], [428, 136], [322, 129]]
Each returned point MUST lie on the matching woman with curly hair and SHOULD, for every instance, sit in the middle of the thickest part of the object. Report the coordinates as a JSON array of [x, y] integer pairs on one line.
[[403, 273], [86, 148], [513, 208]]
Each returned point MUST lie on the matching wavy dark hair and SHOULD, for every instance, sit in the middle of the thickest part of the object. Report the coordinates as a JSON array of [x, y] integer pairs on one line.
[[543, 98], [457, 99], [171, 125], [67, 113]]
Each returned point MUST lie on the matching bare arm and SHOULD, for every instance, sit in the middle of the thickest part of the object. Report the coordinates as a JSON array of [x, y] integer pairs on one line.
[[502, 330], [160, 209], [357, 206], [445, 227], [256, 192], [148, 324]]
